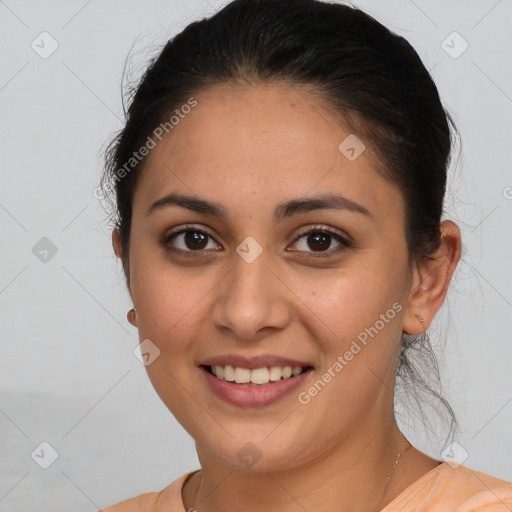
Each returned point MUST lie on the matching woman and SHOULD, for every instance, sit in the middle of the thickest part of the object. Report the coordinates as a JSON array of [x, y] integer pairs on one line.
[[279, 187]]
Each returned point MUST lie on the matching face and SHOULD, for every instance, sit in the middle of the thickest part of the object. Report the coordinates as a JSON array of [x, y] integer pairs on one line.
[[324, 288]]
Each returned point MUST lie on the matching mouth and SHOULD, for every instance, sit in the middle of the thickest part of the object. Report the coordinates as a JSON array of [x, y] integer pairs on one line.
[[256, 376], [258, 386]]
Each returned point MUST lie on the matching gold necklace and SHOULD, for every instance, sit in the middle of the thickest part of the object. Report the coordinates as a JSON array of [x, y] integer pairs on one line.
[[397, 460], [388, 478]]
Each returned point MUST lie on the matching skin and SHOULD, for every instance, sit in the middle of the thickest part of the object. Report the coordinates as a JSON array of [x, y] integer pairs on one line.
[[250, 148]]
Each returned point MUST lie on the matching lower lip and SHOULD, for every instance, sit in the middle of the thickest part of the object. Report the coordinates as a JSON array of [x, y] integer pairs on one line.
[[253, 395]]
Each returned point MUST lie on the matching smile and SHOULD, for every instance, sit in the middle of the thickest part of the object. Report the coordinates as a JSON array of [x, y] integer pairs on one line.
[[243, 392], [256, 376]]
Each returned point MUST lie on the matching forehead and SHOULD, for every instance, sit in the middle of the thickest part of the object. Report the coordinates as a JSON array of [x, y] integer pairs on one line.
[[267, 142]]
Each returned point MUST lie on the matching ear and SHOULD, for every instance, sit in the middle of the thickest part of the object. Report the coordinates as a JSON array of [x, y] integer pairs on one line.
[[118, 250], [431, 279], [116, 243]]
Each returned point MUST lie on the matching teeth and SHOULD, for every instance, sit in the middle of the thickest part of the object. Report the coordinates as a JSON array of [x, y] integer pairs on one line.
[[275, 373], [242, 375], [256, 376], [228, 373], [260, 376]]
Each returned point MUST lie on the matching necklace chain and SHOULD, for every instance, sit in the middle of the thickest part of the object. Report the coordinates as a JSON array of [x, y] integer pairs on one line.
[[397, 460], [388, 479], [392, 472]]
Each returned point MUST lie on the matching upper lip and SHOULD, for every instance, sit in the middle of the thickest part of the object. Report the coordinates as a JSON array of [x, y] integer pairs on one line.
[[261, 361]]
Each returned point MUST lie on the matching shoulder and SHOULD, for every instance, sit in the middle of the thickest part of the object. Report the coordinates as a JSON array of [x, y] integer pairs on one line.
[[456, 488], [146, 502], [471, 479], [167, 499], [477, 490]]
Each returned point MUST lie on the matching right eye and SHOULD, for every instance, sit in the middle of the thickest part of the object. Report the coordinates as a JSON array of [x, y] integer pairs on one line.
[[187, 241]]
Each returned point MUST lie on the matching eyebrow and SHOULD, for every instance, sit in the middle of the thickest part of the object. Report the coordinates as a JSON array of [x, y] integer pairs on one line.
[[282, 210]]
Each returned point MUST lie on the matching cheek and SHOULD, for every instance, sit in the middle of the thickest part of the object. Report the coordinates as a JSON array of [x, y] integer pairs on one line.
[[356, 297], [356, 323], [357, 316], [168, 298]]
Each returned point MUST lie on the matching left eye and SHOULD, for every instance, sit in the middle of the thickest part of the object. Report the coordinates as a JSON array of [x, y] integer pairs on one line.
[[319, 241]]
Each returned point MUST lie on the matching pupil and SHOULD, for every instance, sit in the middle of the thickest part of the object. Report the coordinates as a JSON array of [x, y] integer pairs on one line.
[[318, 237], [193, 238]]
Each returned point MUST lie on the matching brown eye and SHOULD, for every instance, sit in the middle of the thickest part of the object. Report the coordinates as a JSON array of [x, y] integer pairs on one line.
[[320, 240], [188, 240], [195, 239]]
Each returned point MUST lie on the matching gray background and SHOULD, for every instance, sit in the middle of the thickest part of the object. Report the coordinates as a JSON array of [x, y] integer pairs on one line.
[[68, 373]]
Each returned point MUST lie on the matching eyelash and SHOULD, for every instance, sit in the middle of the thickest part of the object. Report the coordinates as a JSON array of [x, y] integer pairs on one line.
[[344, 243]]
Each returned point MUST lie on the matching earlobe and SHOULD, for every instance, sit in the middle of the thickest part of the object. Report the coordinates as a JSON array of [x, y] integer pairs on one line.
[[431, 281], [132, 317]]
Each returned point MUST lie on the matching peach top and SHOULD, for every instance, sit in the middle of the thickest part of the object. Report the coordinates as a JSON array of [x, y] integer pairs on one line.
[[446, 488]]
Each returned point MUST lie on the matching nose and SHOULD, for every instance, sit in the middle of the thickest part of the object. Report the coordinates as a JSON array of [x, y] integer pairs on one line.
[[251, 299]]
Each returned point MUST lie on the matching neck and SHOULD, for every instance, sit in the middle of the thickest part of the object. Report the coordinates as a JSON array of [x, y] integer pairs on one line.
[[351, 474]]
